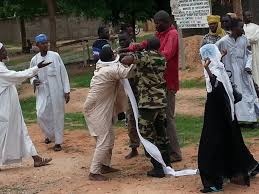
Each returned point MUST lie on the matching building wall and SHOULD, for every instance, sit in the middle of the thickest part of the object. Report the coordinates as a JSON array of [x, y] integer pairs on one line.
[[67, 28]]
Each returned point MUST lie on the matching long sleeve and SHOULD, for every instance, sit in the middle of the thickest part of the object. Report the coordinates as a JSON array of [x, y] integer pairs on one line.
[[32, 64], [9, 77], [64, 76], [122, 72], [249, 59], [171, 47]]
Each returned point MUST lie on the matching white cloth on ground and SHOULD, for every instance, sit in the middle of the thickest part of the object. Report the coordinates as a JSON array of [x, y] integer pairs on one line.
[[50, 95], [237, 59], [252, 34], [217, 68], [149, 147], [15, 142]]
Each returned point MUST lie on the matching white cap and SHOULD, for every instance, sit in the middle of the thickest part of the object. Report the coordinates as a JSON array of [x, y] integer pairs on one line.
[[1, 45]]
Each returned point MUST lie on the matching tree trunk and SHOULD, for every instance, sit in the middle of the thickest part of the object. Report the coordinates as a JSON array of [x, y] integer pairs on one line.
[[23, 34], [133, 23], [237, 8], [52, 23]]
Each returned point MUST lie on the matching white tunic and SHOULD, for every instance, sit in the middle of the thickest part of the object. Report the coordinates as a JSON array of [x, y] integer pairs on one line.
[[237, 59], [50, 95], [15, 142], [252, 33]]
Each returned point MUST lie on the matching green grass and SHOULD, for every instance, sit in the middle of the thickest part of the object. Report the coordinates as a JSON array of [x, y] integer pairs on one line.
[[189, 129], [72, 120], [192, 83], [80, 81], [29, 109]]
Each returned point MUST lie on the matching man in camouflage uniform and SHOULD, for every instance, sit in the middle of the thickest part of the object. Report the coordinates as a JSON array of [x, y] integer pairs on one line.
[[152, 100], [134, 142]]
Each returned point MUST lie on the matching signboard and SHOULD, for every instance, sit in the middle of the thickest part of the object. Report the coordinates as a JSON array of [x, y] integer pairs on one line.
[[191, 13]]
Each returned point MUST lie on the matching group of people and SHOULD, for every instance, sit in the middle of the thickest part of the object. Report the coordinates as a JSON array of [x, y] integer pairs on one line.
[[49, 78], [229, 60]]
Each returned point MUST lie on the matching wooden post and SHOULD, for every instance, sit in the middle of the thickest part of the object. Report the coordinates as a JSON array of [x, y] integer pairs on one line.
[[181, 50], [84, 53], [237, 8]]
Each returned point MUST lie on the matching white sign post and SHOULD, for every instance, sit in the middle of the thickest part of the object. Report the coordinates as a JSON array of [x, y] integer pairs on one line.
[[190, 14]]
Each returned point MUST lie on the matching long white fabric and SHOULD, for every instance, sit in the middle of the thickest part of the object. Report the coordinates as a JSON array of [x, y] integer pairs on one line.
[[237, 59], [211, 51], [15, 142], [50, 95], [252, 33], [151, 148]]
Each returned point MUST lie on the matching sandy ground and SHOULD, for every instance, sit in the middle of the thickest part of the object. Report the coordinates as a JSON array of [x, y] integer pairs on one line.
[[68, 171]]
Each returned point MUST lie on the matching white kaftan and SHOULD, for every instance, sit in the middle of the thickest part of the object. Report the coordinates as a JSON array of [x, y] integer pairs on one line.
[[50, 95], [15, 142], [237, 59], [252, 34]]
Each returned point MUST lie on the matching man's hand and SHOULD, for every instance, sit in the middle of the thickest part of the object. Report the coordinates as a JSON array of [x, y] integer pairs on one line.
[[41, 64], [67, 97], [127, 60], [36, 82], [248, 70]]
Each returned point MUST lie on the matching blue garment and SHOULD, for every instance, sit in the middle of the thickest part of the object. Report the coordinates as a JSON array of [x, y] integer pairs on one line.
[[97, 47]]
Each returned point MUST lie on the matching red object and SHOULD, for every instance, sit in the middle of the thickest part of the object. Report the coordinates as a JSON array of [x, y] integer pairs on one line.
[[169, 48]]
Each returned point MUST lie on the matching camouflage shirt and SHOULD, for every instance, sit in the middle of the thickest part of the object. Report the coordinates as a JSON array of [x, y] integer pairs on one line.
[[151, 84]]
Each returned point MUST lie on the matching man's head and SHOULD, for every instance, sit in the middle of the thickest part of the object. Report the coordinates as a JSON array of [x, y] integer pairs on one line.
[[213, 22], [106, 54], [248, 17], [153, 43], [226, 22], [162, 21], [124, 40], [237, 27], [42, 42], [103, 33], [3, 52]]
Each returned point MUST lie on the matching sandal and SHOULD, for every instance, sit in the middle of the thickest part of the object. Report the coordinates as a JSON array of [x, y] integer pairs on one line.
[[42, 162]]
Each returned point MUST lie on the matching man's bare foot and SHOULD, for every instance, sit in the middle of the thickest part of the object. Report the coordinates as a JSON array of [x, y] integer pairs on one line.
[[97, 177], [39, 161], [107, 169], [132, 154], [57, 148], [47, 141]]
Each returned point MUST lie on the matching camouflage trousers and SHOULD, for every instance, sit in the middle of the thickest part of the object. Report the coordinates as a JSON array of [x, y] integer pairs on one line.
[[152, 126], [134, 141]]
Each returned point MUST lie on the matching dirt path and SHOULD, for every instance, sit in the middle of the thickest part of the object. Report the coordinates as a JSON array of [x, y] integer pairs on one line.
[[70, 167]]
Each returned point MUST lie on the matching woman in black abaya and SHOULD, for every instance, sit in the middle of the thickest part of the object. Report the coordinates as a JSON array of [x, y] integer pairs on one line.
[[222, 152]]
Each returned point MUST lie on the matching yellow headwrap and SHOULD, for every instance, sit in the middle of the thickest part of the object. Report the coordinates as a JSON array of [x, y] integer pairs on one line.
[[213, 19], [216, 19]]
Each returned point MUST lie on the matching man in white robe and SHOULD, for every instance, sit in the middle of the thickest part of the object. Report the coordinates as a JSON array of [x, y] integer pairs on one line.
[[252, 34], [15, 142], [52, 91], [238, 61], [106, 98]]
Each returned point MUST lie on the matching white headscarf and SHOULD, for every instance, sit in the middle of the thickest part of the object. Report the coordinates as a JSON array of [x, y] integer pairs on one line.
[[1, 45], [217, 68]]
